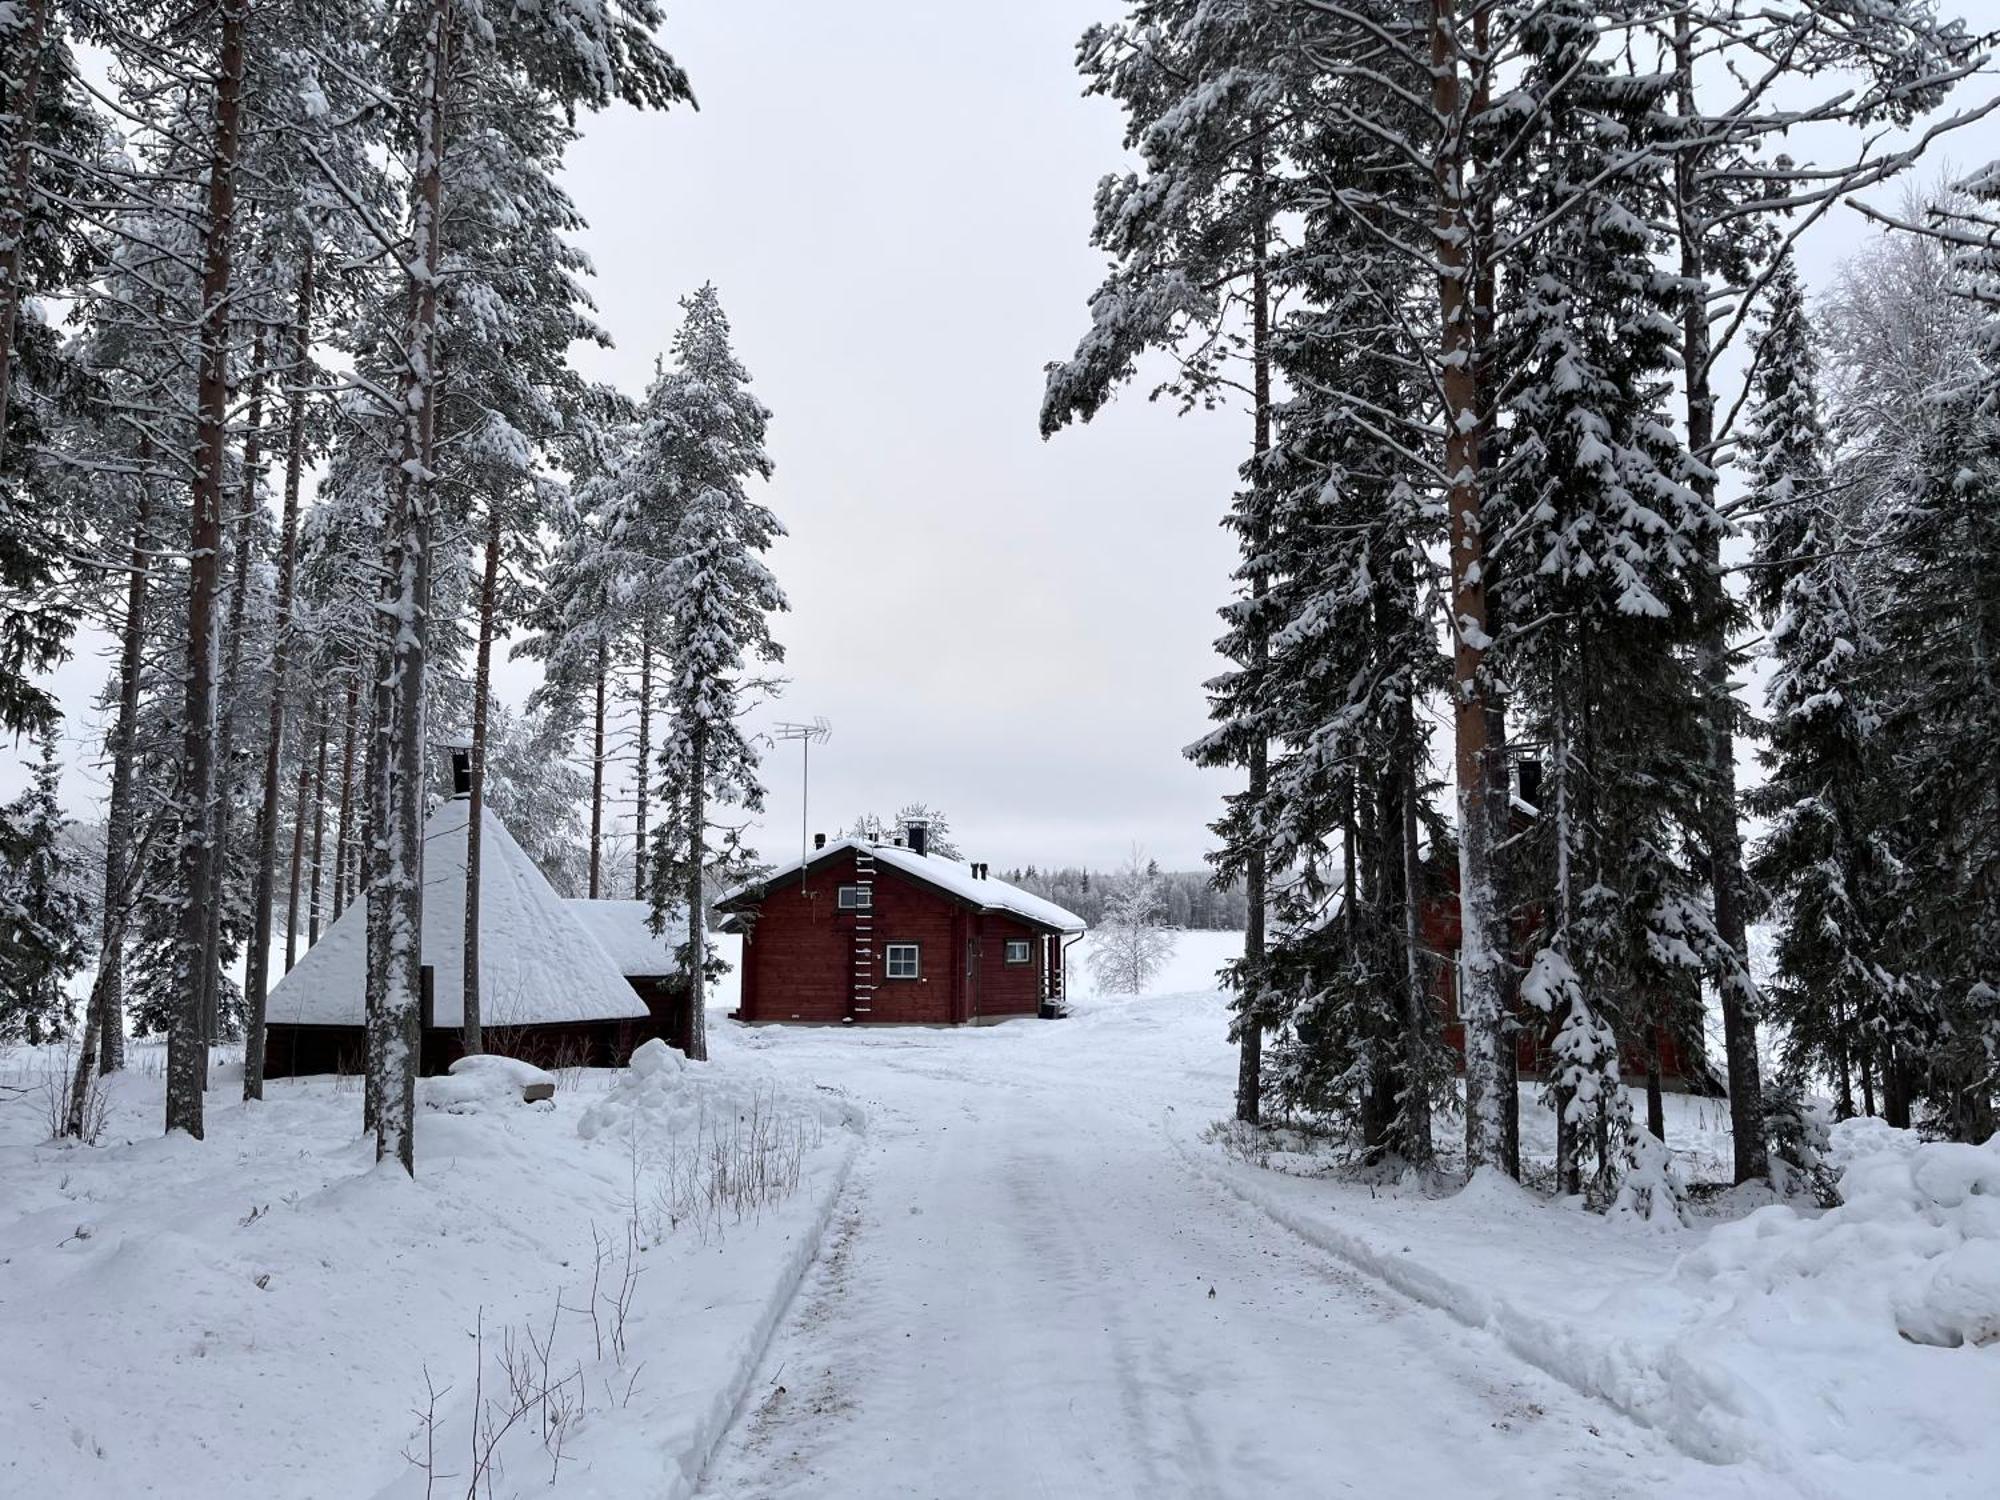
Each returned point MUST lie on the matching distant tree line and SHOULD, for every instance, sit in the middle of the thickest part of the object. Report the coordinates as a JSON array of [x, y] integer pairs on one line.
[[1188, 898]]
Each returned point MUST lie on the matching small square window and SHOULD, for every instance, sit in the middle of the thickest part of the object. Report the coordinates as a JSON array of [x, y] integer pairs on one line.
[[1019, 951], [855, 898], [903, 962]]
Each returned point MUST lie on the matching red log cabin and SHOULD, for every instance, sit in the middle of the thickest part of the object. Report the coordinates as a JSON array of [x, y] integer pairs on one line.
[[864, 931], [1683, 1068]]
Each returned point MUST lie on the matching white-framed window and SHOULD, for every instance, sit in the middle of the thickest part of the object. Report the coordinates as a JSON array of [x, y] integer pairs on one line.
[[1020, 951], [904, 961], [855, 898]]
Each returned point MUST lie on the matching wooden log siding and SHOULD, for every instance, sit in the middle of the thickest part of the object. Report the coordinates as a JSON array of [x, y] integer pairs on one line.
[[798, 954]]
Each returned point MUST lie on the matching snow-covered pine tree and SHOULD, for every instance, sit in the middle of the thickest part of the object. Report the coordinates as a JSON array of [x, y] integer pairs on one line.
[[44, 918], [1936, 546], [1825, 857], [705, 445], [1130, 945], [1737, 194]]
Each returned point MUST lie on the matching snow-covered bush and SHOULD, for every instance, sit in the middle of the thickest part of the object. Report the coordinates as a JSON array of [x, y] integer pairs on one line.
[[1914, 1245], [1651, 1191], [1796, 1127]]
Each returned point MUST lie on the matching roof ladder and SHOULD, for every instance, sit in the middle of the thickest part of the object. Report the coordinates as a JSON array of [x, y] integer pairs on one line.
[[862, 995]]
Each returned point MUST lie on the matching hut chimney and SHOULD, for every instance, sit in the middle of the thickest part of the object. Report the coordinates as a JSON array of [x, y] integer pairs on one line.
[[920, 837], [819, 841], [461, 771], [1530, 774]]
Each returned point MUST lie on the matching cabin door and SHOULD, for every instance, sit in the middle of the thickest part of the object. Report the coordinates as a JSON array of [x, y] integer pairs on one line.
[[971, 978]]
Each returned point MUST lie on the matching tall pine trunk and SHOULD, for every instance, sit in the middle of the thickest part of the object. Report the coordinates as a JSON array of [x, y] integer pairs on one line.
[[374, 839], [231, 691], [695, 793], [402, 836], [1478, 963], [1419, 1021], [187, 1049], [318, 819], [1721, 833], [257, 981], [119, 865], [597, 776], [24, 100], [302, 809], [1250, 1022], [482, 684], [643, 772], [343, 827]]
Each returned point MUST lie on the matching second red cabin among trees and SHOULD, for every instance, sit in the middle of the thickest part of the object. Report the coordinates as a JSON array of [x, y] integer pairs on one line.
[[866, 931]]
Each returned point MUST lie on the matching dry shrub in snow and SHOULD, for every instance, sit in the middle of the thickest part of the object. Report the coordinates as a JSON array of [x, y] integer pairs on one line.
[[1915, 1243], [710, 1148]]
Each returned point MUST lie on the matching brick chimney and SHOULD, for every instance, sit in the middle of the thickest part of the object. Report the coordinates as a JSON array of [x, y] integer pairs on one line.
[[920, 837]]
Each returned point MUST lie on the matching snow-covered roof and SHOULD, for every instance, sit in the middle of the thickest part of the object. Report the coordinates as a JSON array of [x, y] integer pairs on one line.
[[624, 930], [947, 875], [537, 963]]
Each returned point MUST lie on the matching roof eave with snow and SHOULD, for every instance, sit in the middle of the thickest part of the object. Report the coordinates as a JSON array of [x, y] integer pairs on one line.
[[982, 893]]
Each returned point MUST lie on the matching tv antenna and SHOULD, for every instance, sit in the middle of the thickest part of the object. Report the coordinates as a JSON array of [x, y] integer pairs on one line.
[[818, 732]]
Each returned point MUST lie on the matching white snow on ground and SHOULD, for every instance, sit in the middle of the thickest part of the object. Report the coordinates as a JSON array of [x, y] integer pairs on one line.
[[1012, 1296], [256, 1314]]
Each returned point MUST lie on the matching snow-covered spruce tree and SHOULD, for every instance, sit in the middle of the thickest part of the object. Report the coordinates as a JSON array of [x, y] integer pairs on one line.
[[51, 140], [1936, 544], [1352, 654], [1204, 94], [1826, 857], [513, 308], [1130, 945], [705, 445], [1737, 196], [936, 821], [532, 787], [574, 629], [44, 918], [1599, 542]]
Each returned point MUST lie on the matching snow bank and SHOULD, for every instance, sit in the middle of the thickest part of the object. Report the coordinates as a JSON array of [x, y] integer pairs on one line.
[[662, 1098], [486, 1081], [1914, 1247], [274, 1283], [1860, 1348]]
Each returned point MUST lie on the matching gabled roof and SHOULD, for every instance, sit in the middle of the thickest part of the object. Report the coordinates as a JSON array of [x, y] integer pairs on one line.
[[537, 963], [624, 929], [946, 875]]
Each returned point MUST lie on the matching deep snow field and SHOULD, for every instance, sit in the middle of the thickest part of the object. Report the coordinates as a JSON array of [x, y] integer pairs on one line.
[[1016, 1260]]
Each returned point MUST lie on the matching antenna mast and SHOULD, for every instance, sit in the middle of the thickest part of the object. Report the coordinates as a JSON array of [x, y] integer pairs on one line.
[[818, 732]]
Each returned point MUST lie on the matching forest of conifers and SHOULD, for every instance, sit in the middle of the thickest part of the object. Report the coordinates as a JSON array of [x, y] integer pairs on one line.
[[1549, 458], [291, 294]]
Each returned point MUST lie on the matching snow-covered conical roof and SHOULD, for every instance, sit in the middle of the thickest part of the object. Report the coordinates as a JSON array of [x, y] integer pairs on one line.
[[537, 963]]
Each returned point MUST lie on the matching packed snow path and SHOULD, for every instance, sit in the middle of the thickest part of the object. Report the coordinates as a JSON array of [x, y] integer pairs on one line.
[[1016, 1301]]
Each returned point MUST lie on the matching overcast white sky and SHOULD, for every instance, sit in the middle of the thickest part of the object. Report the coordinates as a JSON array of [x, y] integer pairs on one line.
[[893, 199]]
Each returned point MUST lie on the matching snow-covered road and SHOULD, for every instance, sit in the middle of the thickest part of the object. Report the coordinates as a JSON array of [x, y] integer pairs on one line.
[[1017, 1301]]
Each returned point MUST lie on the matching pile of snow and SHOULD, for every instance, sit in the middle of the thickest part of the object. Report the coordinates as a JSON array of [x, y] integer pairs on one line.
[[1913, 1248], [484, 1081], [661, 1098]]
